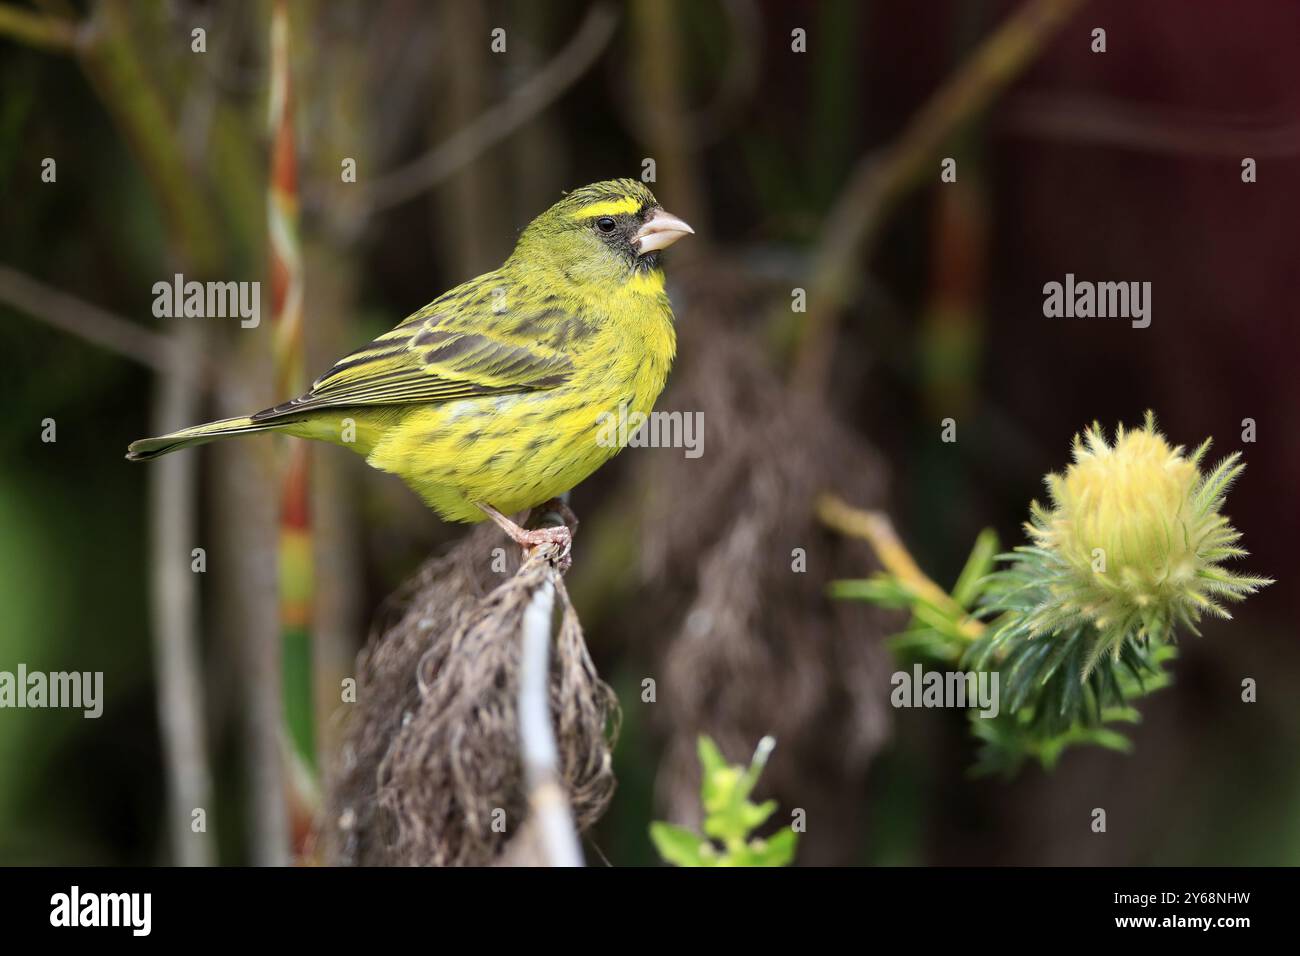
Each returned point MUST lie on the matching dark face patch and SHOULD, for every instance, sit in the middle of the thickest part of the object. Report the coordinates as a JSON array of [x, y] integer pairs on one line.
[[617, 232]]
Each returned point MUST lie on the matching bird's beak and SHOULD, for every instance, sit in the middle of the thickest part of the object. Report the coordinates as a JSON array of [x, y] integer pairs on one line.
[[660, 231]]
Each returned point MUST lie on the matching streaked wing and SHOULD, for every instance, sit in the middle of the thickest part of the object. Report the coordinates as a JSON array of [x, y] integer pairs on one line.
[[460, 346]]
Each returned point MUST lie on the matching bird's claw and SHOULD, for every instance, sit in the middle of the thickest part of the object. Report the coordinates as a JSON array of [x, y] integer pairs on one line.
[[558, 537]]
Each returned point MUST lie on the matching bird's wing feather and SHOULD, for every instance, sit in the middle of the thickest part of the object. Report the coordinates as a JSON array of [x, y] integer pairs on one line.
[[465, 344]]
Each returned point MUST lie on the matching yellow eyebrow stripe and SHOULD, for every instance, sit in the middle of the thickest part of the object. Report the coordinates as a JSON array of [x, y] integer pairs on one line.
[[607, 207]]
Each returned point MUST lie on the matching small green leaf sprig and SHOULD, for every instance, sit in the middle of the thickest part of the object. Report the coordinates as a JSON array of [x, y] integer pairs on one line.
[[730, 817]]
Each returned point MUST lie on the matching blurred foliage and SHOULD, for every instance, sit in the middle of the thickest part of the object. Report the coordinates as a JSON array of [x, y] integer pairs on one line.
[[1047, 701], [730, 817]]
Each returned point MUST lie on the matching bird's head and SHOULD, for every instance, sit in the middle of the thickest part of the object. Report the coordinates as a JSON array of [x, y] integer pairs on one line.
[[608, 231]]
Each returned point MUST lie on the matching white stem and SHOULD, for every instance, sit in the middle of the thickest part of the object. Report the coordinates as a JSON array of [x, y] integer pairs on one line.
[[546, 798]]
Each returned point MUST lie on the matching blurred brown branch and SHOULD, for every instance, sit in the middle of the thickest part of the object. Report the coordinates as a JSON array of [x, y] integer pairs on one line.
[[1149, 128], [174, 604], [862, 209], [95, 325], [498, 122]]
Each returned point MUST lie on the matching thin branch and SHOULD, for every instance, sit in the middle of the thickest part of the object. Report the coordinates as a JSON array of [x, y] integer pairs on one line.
[[56, 34], [549, 807], [1148, 128], [862, 209], [92, 324], [877, 530], [498, 122], [173, 598]]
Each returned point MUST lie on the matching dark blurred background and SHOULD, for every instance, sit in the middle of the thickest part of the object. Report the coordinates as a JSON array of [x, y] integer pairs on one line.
[[1123, 165]]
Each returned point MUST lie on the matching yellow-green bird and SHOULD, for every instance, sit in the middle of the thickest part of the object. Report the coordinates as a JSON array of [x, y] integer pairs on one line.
[[490, 399]]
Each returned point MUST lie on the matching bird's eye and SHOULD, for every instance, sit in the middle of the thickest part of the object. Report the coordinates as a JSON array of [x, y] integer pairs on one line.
[[606, 225]]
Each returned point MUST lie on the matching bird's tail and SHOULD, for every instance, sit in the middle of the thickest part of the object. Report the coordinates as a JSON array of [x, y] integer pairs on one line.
[[148, 448]]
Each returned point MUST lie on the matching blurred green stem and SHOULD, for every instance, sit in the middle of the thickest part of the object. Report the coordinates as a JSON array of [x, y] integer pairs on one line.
[[875, 528], [37, 29], [115, 67]]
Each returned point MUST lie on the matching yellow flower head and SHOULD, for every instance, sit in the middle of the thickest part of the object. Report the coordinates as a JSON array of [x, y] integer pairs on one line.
[[1122, 510], [1135, 537]]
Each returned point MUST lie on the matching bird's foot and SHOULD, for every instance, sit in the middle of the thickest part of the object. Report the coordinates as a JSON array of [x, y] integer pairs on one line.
[[560, 537]]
